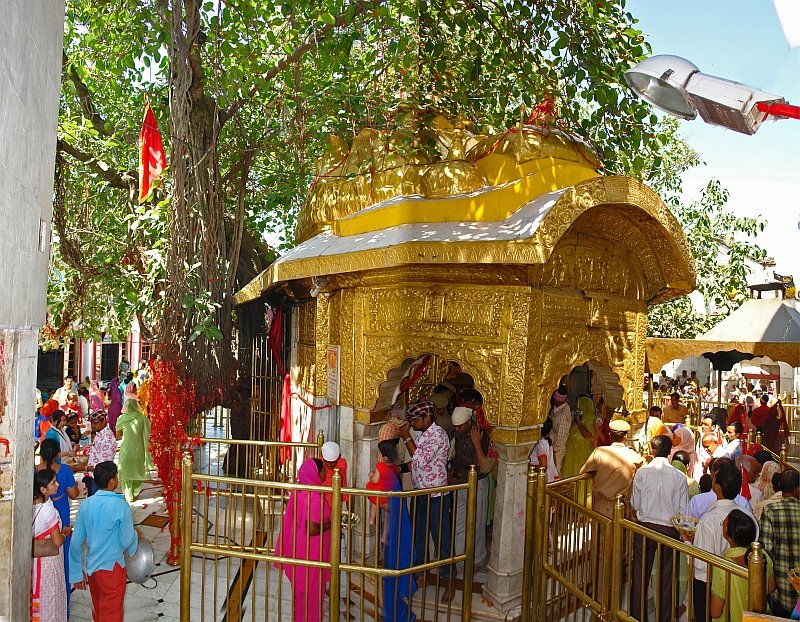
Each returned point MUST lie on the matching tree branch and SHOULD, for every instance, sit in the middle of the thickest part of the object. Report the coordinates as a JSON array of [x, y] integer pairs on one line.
[[309, 43], [85, 98], [124, 180]]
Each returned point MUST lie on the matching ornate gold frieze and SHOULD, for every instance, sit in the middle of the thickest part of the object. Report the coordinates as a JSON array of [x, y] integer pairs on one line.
[[446, 310], [593, 197]]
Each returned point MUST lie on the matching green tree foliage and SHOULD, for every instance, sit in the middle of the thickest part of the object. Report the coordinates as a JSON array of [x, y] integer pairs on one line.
[[247, 91]]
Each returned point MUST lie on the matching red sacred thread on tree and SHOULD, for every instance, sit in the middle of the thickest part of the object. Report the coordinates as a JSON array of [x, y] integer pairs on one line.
[[172, 402]]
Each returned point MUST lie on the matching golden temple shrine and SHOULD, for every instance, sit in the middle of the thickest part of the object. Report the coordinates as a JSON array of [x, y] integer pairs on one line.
[[509, 254], [509, 258]]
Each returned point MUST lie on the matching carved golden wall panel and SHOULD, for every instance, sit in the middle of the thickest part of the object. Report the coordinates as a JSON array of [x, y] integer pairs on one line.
[[345, 317], [306, 320], [515, 367], [322, 339], [306, 346], [461, 310]]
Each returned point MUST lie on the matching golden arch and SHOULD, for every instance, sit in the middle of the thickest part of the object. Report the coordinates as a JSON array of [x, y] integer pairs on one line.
[[483, 365]]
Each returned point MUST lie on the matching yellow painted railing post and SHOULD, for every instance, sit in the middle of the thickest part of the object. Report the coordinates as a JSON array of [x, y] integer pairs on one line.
[[756, 580], [530, 536], [320, 442], [469, 545], [617, 557], [186, 534], [759, 439], [784, 463], [336, 537], [542, 518]]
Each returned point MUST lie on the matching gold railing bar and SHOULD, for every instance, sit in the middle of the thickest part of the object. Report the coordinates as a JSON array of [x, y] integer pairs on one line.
[[356, 492], [688, 549], [540, 543], [256, 443], [574, 589], [568, 481], [336, 543], [259, 554], [757, 589], [186, 537], [469, 548], [527, 561]]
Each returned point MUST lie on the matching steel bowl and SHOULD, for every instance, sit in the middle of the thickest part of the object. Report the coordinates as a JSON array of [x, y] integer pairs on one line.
[[140, 565]]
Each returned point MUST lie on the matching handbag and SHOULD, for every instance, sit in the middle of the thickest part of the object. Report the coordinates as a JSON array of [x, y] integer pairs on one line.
[[42, 548]]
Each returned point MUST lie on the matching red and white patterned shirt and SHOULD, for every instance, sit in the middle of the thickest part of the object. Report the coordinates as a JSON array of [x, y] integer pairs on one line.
[[429, 462], [103, 447]]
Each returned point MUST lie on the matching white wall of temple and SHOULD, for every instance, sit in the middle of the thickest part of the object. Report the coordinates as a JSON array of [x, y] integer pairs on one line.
[[31, 34]]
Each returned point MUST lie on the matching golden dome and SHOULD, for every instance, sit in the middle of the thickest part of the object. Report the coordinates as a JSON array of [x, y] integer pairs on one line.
[[437, 161]]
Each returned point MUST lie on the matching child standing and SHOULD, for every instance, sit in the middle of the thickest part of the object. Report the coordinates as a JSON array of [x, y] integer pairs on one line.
[[48, 587], [383, 477], [105, 524]]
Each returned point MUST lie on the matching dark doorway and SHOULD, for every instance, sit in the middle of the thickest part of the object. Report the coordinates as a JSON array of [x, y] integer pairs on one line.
[[109, 361], [50, 370]]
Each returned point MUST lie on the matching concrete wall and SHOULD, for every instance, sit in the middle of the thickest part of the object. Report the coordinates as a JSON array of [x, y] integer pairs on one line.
[[31, 34]]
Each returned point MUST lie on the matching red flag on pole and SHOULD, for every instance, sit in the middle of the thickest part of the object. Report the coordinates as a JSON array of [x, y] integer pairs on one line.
[[152, 159]]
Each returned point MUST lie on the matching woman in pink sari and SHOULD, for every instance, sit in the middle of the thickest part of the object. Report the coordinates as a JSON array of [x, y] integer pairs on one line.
[[306, 534], [96, 401]]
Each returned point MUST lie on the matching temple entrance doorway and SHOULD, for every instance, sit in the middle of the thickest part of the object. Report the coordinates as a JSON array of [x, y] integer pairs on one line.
[[420, 378]]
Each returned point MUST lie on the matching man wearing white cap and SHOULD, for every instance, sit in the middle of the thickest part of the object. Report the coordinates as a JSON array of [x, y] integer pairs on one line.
[[613, 467], [332, 457], [470, 446]]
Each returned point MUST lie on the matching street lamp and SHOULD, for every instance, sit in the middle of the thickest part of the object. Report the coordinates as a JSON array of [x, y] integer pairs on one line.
[[676, 86]]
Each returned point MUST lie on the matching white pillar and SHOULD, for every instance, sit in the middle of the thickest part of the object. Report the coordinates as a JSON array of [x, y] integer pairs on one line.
[[31, 46], [504, 588]]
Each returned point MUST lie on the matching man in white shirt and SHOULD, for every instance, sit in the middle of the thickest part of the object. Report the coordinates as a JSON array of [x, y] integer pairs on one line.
[[61, 393], [733, 444], [561, 415], [659, 492], [726, 484], [83, 401], [700, 504]]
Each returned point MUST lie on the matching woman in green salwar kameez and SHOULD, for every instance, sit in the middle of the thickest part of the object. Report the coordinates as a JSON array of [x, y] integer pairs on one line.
[[580, 444], [134, 455]]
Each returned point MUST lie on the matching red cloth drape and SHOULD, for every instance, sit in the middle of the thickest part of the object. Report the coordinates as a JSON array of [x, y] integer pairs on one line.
[[745, 485], [152, 158]]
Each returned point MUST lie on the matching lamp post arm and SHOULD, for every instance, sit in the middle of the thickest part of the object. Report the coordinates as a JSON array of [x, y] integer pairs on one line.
[[779, 110]]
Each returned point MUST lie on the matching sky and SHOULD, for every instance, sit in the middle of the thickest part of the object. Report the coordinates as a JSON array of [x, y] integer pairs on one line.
[[739, 40]]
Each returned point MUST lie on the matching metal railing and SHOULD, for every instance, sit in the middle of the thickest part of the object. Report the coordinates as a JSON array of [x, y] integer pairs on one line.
[[249, 459], [580, 564], [232, 571]]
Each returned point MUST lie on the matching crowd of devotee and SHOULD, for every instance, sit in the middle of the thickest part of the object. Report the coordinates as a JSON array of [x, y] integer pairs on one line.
[[734, 488], [90, 442]]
